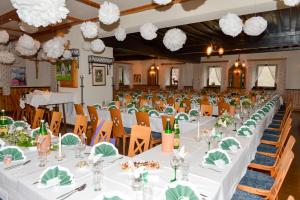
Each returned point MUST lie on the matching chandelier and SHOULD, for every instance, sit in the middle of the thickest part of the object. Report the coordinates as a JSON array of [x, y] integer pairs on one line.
[[214, 48], [238, 62]]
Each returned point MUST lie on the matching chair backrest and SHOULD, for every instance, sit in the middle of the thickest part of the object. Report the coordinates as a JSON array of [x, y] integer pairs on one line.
[[80, 125], [29, 112], [139, 140], [206, 110], [284, 166], [39, 114], [143, 102], [290, 197], [142, 119], [55, 122], [287, 114], [187, 104], [118, 128], [93, 117], [104, 133], [79, 109], [170, 101], [164, 120], [222, 107], [284, 134]]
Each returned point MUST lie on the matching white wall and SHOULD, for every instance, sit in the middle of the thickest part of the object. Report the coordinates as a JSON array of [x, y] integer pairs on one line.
[[44, 73]]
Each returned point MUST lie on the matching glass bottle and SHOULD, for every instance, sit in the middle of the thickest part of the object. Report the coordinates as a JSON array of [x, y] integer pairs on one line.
[[3, 123], [168, 127], [43, 138], [177, 135]]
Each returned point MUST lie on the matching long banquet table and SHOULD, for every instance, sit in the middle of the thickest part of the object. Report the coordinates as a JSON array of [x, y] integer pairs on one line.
[[17, 184]]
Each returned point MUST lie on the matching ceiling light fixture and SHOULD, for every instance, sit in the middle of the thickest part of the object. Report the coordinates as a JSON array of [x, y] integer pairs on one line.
[[214, 48], [239, 63]]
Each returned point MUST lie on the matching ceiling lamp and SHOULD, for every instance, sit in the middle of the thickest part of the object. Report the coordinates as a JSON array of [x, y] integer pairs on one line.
[[221, 51], [209, 50], [213, 47], [28, 28], [231, 24], [4, 37], [291, 2], [109, 13], [255, 26], [174, 39], [162, 2], [239, 63], [41, 12]]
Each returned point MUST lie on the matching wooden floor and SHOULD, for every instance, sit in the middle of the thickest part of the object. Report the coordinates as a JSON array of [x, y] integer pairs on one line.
[[291, 185]]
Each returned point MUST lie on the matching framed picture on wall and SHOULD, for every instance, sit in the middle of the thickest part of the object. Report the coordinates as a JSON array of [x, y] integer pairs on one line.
[[137, 78], [18, 76], [99, 75]]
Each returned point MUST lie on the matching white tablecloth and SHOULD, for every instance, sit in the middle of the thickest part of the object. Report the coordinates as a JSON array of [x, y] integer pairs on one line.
[[17, 183]]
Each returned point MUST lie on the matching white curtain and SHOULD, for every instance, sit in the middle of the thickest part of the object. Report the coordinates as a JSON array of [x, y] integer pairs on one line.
[[272, 70], [218, 71]]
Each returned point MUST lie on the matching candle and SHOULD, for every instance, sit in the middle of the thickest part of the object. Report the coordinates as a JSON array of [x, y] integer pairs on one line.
[[59, 146], [198, 125]]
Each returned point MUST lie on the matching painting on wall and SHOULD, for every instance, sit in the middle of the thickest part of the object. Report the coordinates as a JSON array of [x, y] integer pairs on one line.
[[64, 70], [99, 75], [18, 76], [137, 78]]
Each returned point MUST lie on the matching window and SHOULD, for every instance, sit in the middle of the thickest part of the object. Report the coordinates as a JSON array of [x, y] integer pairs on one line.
[[266, 76], [121, 75], [174, 76], [214, 76]]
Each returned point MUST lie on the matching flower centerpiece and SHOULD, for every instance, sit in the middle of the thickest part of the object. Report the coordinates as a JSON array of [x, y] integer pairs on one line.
[[20, 137], [246, 103], [224, 120], [232, 106], [145, 108]]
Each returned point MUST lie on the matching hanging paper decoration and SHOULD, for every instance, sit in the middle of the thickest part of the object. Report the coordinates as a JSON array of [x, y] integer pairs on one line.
[[120, 34], [255, 26], [109, 13], [4, 37], [89, 29], [27, 46], [291, 2], [42, 55], [67, 54], [54, 48], [174, 39], [148, 31], [97, 46], [86, 45], [6, 57], [41, 12], [162, 2], [28, 28], [231, 24]]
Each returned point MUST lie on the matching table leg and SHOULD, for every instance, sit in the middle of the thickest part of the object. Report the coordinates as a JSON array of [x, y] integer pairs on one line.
[[65, 120]]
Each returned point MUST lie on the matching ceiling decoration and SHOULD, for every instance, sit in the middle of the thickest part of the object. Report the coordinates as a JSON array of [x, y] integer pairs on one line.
[[67, 54], [27, 46], [291, 2], [109, 13], [42, 55], [6, 57], [231, 24], [55, 47], [120, 34], [28, 28], [174, 39], [4, 37], [148, 31], [162, 2], [255, 26], [41, 12], [89, 29], [97, 46]]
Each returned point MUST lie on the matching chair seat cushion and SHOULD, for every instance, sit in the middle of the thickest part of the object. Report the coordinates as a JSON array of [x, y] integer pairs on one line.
[[263, 160], [156, 135], [274, 125], [272, 132], [270, 137], [243, 195], [267, 148], [276, 122], [257, 180], [127, 130], [278, 117]]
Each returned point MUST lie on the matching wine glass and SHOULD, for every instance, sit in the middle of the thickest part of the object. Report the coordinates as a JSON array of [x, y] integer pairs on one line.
[[175, 163], [207, 137]]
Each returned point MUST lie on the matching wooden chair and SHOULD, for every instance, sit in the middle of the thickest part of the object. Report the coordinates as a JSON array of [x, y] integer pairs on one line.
[[118, 129], [80, 125], [272, 193], [206, 110], [290, 197], [55, 123], [29, 113], [104, 134], [39, 114], [282, 122], [222, 107], [164, 120], [79, 109], [170, 101], [93, 117], [187, 104], [139, 140]]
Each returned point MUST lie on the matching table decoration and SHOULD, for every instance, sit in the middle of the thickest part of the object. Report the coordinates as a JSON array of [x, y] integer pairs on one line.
[[140, 177], [175, 163], [194, 113], [56, 176], [153, 113], [112, 107], [20, 123], [181, 190], [103, 149], [149, 165], [97, 106], [98, 175], [230, 144], [15, 152], [216, 159], [182, 116], [250, 123], [169, 110], [167, 144], [261, 113], [70, 139], [35, 132], [256, 117], [132, 110], [244, 131], [145, 108]]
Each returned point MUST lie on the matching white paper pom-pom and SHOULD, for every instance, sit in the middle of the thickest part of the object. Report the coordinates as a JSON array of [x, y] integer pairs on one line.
[[231, 24], [86, 45], [41, 12], [89, 29], [255, 26], [97, 45], [42, 55], [67, 54], [291, 2], [109, 13], [54, 48], [6, 57], [120, 34], [174, 39], [148, 31], [162, 2], [27, 46], [28, 28], [4, 37]]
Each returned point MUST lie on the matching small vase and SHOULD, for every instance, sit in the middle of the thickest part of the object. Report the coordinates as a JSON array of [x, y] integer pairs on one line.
[[45, 141], [167, 142]]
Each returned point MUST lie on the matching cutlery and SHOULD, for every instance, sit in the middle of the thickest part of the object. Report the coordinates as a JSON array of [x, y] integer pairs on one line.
[[116, 159], [66, 195], [18, 165]]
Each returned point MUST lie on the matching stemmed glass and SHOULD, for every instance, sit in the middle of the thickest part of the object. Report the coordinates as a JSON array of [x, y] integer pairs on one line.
[[207, 137], [175, 163]]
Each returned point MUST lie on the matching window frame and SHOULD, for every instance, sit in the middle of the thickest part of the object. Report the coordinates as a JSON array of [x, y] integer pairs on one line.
[[266, 87], [208, 68], [171, 73]]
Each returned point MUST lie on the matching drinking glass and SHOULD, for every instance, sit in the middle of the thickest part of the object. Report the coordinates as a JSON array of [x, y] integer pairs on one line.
[[147, 192], [98, 175], [208, 139], [175, 162], [185, 167], [42, 157]]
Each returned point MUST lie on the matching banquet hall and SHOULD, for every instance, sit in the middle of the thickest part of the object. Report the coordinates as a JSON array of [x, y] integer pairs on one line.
[[149, 99]]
